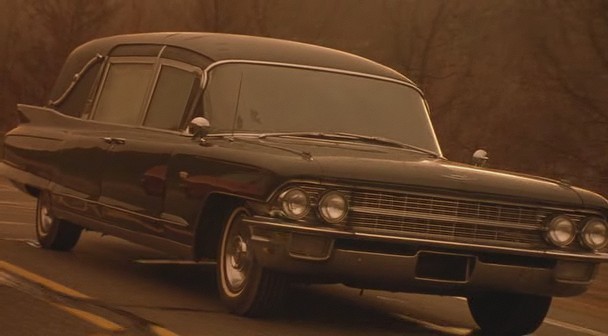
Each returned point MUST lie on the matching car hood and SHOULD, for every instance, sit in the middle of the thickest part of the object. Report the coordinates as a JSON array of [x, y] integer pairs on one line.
[[421, 173], [400, 169]]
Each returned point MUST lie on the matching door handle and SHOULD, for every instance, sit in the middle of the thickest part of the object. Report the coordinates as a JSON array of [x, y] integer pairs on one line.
[[107, 140]]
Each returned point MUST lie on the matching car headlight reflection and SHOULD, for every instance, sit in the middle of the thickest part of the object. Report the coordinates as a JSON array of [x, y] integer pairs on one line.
[[333, 207], [295, 203], [561, 231], [594, 234]]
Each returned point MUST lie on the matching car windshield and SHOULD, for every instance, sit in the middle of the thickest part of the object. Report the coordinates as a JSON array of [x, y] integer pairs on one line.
[[254, 98]]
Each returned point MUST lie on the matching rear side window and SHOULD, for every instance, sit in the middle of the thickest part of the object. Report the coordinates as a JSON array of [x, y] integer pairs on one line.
[[123, 93], [172, 98], [77, 99]]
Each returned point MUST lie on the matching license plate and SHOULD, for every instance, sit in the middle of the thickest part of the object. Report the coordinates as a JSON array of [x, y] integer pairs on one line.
[[444, 267]]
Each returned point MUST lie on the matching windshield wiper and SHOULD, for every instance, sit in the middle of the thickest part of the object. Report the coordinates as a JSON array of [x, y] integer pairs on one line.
[[303, 134], [387, 141], [351, 136]]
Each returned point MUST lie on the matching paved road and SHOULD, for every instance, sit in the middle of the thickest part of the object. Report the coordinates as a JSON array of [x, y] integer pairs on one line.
[[107, 286]]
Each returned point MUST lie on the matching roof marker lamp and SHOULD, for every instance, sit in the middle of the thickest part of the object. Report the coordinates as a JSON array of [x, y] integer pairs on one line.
[[295, 203], [561, 231], [594, 234], [333, 207]]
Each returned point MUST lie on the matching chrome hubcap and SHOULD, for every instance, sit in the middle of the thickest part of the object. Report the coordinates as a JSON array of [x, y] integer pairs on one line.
[[237, 262], [46, 220]]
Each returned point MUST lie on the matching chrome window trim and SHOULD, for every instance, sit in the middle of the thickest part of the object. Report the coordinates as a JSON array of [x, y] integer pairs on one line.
[[77, 77], [311, 67], [151, 87]]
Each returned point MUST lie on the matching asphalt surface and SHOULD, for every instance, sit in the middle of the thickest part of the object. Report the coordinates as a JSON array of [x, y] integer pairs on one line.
[[107, 286]]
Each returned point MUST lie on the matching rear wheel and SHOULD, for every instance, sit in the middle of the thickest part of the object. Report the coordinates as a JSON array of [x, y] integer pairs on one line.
[[53, 233], [245, 287], [508, 314]]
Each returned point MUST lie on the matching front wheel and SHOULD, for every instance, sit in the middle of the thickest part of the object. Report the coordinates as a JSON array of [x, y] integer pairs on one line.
[[245, 287], [508, 314], [53, 233]]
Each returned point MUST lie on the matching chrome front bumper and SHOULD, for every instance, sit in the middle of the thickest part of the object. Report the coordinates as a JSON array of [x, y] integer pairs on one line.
[[318, 254]]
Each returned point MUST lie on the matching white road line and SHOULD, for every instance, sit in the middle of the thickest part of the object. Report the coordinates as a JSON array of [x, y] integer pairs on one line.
[[457, 331], [173, 262], [566, 325], [160, 331], [40, 280], [18, 206], [12, 223], [573, 327], [435, 327], [33, 243], [17, 239], [7, 269], [426, 324], [29, 242], [95, 320]]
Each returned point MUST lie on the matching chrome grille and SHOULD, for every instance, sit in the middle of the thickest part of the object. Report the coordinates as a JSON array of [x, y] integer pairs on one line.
[[446, 218]]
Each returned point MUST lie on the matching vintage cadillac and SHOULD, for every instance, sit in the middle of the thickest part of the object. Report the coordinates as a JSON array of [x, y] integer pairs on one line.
[[286, 162]]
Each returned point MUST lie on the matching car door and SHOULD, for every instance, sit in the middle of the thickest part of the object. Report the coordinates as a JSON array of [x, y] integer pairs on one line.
[[76, 183], [134, 173], [81, 164]]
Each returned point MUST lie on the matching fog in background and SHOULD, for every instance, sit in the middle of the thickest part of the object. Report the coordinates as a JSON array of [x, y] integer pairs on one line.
[[525, 80]]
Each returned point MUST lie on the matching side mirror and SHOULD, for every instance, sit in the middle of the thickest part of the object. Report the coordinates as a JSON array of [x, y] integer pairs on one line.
[[480, 157], [198, 128]]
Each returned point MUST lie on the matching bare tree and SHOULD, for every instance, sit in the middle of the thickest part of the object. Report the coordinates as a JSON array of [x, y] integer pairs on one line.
[[524, 79]]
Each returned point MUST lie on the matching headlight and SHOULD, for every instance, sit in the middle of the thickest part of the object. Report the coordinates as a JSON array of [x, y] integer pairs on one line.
[[333, 207], [560, 231], [594, 234], [295, 203]]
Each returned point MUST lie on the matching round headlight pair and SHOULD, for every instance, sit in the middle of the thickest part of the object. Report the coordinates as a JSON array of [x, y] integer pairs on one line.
[[295, 203], [561, 231]]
